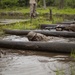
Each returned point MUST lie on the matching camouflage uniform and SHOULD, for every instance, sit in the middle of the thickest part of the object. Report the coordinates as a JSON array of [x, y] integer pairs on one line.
[[32, 36], [70, 27], [33, 5], [66, 27]]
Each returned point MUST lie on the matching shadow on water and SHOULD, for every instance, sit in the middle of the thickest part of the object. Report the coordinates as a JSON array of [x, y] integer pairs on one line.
[[19, 62]]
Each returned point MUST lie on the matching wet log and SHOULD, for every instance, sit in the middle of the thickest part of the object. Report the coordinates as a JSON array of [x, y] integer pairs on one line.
[[67, 23], [39, 46], [43, 26], [45, 32]]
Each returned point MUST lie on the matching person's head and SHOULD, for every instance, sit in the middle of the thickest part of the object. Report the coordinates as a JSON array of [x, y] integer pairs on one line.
[[31, 35]]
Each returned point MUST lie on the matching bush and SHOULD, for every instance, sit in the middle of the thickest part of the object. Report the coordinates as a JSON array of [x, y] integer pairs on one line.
[[70, 3], [8, 3], [22, 3]]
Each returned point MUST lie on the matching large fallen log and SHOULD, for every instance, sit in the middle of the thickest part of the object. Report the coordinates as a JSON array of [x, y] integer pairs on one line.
[[39, 46], [45, 32], [67, 22], [43, 26]]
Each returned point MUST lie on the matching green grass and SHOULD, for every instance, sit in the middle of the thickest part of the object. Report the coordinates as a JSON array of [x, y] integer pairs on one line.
[[16, 9], [55, 10], [73, 54], [32, 24], [69, 11], [40, 10]]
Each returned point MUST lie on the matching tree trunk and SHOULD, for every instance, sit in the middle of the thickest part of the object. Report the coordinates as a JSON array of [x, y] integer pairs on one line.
[[61, 5]]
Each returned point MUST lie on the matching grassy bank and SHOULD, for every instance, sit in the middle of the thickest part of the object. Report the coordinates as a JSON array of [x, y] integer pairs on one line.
[[40, 10], [32, 24]]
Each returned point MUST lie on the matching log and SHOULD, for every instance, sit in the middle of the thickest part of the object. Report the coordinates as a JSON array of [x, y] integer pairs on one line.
[[45, 32], [43, 26], [39, 46], [68, 22]]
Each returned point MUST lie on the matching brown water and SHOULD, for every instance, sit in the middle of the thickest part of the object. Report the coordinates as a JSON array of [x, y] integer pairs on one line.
[[23, 38], [19, 62]]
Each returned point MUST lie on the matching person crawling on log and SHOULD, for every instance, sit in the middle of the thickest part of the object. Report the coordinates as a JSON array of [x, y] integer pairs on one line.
[[33, 36], [66, 27]]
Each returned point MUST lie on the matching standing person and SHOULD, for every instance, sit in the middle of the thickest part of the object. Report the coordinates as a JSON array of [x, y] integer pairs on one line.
[[33, 5]]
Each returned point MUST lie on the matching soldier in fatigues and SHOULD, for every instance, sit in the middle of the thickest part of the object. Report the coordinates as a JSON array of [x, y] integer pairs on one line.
[[33, 36], [66, 27], [33, 5]]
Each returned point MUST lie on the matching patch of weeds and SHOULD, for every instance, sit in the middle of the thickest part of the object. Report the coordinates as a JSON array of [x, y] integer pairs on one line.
[[57, 20], [58, 72], [73, 54], [72, 68]]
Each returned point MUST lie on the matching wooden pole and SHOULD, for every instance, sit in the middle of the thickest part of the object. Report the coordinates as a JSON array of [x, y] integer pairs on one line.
[[50, 14]]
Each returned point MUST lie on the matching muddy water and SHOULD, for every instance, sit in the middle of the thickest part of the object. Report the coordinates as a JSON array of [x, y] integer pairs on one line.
[[34, 63], [15, 38], [18, 62], [23, 38]]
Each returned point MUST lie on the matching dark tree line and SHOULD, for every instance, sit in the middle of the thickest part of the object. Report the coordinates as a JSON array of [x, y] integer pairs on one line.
[[22, 3]]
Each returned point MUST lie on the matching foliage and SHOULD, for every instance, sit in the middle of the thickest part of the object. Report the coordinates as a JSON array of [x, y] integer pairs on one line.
[[22, 3], [73, 54], [48, 2], [8, 3], [70, 3]]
